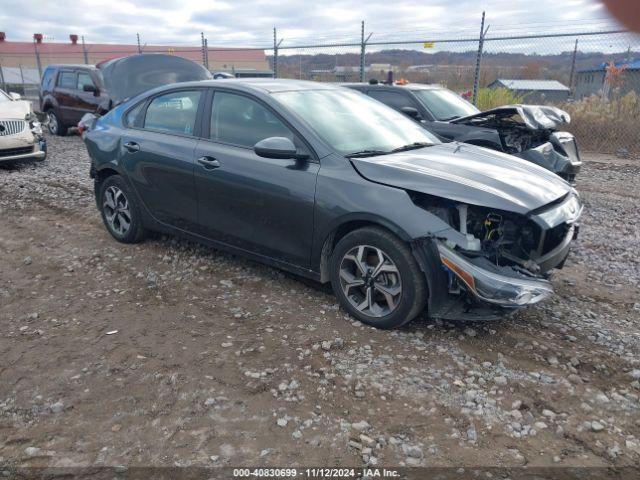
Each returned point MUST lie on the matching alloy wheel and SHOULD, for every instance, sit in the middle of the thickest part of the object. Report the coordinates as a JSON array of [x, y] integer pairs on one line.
[[53, 123], [116, 210], [370, 281]]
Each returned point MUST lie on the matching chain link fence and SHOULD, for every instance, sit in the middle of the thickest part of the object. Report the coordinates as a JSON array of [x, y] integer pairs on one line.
[[594, 75]]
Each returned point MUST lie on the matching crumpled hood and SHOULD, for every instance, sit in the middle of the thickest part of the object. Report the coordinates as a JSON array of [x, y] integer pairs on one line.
[[468, 174], [15, 110], [535, 117]]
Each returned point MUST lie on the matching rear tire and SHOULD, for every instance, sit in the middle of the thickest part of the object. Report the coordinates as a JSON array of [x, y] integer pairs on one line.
[[55, 126], [120, 211], [376, 278]]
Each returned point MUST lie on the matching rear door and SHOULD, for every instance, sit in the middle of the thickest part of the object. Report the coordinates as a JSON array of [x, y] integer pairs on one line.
[[262, 205], [157, 150]]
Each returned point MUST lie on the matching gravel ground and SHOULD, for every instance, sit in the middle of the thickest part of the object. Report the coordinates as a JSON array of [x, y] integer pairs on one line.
[[169, 353]]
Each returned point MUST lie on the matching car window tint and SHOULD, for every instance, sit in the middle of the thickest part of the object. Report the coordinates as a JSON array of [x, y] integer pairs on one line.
[[394, 100], [67, 80], [84, 79], [174, 112], [239, 120]]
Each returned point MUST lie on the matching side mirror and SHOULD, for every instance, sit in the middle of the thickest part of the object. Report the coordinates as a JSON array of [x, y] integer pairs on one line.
[[90, 88], [411, 112], [15, 96], [277, 147]]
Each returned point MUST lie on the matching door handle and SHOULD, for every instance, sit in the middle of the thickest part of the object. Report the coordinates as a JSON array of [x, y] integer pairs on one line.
[[132, 147], [209, 162]]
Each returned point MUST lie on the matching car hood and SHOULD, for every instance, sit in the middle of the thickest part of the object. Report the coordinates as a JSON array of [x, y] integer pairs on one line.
[[17, 109], [468, 174], [535, 117], [127, 77]]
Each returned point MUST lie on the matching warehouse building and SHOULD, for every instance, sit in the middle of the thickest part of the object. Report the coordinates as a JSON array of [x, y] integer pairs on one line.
[[535, 91]]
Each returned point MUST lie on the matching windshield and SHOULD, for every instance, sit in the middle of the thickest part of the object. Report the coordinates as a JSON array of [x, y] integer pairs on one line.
[[4, 97], [444, 104], [353, 123]]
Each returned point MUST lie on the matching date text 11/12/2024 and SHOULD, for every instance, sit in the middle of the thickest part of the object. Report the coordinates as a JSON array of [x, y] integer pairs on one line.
[[315, 473]]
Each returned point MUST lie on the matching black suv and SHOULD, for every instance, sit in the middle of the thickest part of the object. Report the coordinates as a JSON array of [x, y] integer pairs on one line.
[[67, 92]]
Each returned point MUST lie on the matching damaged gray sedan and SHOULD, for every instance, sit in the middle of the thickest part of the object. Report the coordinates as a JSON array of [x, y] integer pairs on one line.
[[332, 185]]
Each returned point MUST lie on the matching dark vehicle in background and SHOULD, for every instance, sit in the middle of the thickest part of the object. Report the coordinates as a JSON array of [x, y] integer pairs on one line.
[[68, 92], [526, 131], [329, 184]]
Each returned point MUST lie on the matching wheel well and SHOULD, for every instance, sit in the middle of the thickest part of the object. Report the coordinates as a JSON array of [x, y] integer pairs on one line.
[[99, 177], [334, 237]]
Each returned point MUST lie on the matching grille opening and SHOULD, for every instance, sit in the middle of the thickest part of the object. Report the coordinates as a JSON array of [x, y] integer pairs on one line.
[[9, 152]]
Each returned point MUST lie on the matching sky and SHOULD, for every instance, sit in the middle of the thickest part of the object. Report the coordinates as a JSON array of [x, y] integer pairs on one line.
[[251, 22]]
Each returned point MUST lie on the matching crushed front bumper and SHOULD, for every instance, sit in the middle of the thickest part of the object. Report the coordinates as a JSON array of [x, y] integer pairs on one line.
[[501, 286], [16, 152]]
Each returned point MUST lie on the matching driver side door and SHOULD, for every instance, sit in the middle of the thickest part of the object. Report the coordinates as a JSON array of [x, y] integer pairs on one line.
[[261, 205]]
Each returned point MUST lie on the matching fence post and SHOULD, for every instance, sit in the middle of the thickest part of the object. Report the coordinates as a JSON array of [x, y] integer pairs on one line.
[[84, 52], [362, 52], [35, 47], [24, 90], [275, 54], [476, 76], [573, 68], [206, 52], [204, 60], [139, 48], [4, 86]]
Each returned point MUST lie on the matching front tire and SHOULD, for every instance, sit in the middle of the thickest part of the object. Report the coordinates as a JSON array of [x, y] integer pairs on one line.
[[376, 278], [54, 124], [120, 211]]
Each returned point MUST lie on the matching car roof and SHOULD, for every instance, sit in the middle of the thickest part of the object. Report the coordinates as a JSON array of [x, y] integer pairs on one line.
[[70, 65], [408, 86], [266, 85]]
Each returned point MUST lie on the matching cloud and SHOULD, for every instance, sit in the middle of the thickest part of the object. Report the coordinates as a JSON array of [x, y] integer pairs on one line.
[[250, 22]]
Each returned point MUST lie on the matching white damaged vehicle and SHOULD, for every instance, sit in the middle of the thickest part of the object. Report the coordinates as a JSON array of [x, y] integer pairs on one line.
[[21, 135]]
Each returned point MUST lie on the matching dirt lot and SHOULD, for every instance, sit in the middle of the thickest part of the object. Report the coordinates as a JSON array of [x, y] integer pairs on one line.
[[168, 353]]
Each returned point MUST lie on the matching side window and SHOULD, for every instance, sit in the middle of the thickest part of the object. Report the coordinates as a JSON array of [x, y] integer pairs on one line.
[[239, 120], [67, 79], [174, 112], [47, 78], [132, 115], [392, 99], [84, 79]]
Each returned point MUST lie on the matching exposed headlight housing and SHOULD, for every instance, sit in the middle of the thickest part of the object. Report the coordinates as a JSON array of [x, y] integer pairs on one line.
[[36, 127], [492, 287]]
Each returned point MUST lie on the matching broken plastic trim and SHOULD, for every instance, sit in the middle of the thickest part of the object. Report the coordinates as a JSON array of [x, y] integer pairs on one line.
[[493, 287]]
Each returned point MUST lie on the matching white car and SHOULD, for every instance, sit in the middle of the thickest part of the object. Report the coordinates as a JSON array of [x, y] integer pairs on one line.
[[20, 131]]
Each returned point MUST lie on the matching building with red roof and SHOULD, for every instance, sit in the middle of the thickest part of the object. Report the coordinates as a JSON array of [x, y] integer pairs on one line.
[[15, 54]]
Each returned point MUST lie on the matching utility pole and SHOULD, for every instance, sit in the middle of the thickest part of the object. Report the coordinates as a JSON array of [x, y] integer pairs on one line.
[[139, 48], [84, 51], [476, 76], [573, 67]]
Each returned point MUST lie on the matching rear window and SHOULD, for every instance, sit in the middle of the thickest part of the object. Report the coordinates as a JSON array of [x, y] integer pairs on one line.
[[174, 112], [67, 80]]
